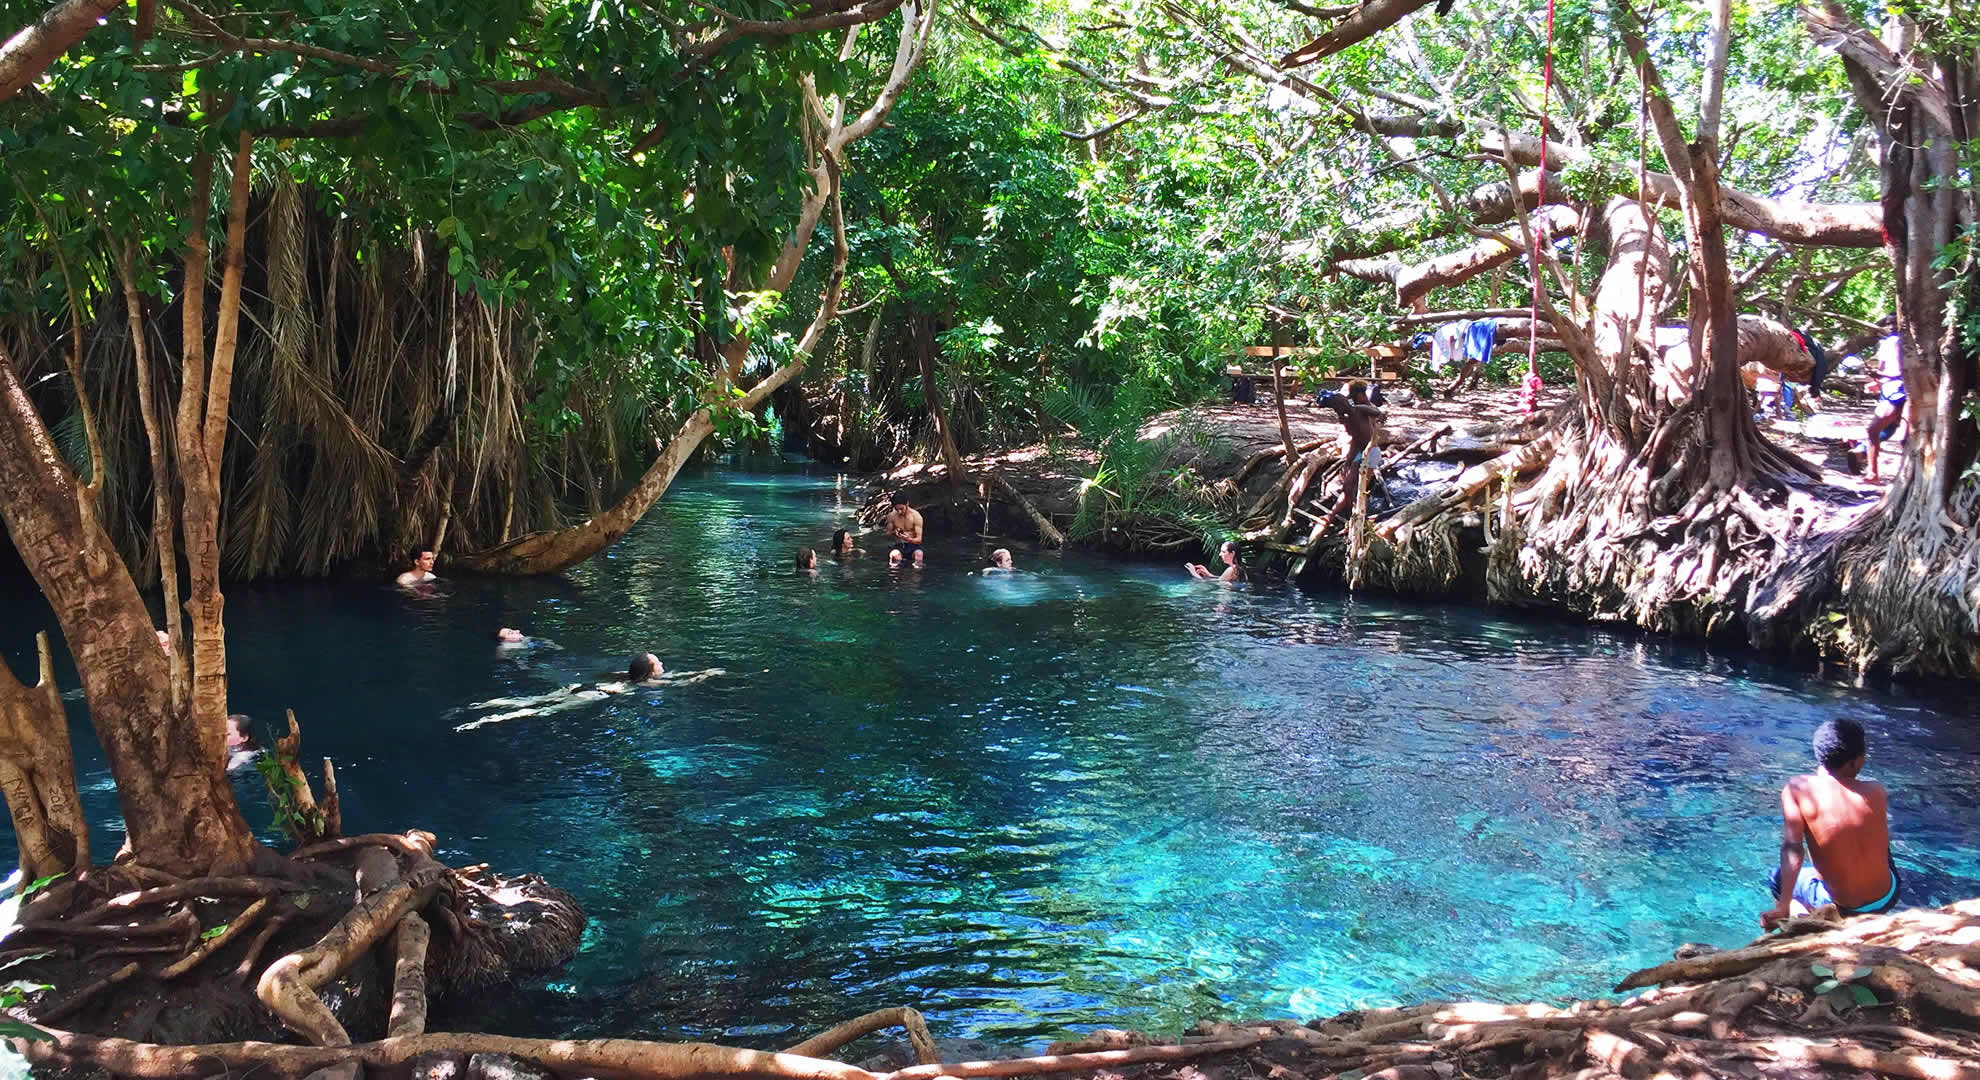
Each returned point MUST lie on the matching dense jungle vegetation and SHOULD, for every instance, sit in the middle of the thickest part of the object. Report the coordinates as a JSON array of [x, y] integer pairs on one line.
[[492, 251]]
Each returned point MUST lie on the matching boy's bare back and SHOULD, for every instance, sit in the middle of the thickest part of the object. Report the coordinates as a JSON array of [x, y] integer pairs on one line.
[[1847, 826]]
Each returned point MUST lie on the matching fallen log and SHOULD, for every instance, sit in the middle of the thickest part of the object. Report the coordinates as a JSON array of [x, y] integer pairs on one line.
[[1046, 530]]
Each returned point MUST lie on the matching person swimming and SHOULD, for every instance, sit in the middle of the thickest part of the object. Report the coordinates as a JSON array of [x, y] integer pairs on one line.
[[807, 560], [1000, 562], [842, 546], [241, 747], [642, 672], [1229, 554], [420, 572]]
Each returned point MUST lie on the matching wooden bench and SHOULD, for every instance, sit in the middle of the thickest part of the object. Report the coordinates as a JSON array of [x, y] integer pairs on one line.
[[1386, 364]]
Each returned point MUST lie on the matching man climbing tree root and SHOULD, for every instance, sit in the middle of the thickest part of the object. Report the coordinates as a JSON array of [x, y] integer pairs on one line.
[[1822, 994]]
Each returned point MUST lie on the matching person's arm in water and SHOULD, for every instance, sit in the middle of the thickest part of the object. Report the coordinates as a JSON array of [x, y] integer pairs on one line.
[[1793, 838]]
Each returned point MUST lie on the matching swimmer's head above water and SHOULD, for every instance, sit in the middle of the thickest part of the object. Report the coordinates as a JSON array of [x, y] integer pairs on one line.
[[1001, 558], [509, 635], [807, 559], [644, 668], [842, 542]]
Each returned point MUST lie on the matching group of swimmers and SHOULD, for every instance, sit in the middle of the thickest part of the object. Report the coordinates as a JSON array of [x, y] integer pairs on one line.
[[1835, 841], [904, 524]]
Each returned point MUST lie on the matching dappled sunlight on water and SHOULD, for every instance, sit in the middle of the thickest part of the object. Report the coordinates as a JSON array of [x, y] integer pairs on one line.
[[1082, 794]]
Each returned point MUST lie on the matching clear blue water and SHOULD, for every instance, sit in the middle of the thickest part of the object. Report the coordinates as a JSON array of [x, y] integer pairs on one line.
[[1090, 794]]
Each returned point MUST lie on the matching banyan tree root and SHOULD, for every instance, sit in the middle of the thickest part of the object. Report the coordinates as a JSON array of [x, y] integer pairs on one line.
[[409, 978], [833, 1038], [624, 1058], [289, 985], [217, 942], [1753, 1013]]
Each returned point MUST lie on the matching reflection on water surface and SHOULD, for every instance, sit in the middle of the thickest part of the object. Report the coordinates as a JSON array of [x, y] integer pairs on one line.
[[1087, 794]]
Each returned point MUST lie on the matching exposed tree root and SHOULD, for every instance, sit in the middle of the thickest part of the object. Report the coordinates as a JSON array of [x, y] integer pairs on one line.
[[827, 1041], [289, 985], [409, 978], [1750, 1013], [219, 941], [116, 906], [587, 1057], [84, 996], [1046, 530]]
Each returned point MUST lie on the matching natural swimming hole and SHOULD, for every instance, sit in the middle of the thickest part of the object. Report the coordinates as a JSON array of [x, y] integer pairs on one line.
[[1091, 794]]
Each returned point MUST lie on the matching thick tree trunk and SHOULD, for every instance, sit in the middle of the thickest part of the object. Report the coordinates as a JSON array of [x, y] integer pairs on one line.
[[931, 395], [1908, 578], [203, 408], [38, 773], [179, 810]]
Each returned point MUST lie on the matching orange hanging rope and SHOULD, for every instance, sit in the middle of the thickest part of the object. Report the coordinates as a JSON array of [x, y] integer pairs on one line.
[[1530, 388]]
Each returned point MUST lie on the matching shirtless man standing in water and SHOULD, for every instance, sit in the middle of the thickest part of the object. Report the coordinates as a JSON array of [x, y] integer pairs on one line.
[[1845, 824], [904, 521]]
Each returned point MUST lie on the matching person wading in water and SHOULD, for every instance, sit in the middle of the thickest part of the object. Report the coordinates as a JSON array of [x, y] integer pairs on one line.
[[1845, 824], [904, 522]]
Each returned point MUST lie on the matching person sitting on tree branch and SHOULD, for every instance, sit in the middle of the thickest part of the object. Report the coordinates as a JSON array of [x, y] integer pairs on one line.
[[1844, 822]]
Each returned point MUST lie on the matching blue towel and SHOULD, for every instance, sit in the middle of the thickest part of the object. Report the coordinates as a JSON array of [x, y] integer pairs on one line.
[[1478, 339]]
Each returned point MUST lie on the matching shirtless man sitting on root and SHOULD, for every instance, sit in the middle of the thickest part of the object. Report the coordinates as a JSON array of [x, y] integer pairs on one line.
[[904, 522], [1845, 824]]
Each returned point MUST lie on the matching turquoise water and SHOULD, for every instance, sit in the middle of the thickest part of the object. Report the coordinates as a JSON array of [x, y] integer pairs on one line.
[[1089, 794]]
